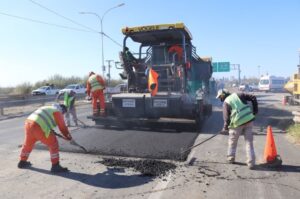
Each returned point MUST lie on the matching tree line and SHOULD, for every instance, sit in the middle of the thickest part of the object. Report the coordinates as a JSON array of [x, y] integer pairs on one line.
[[57, 80]]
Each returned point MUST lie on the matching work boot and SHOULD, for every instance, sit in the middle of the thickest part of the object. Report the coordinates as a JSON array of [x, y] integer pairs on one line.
[[23, 164], [56, 168], [250, 166], [230, 160]]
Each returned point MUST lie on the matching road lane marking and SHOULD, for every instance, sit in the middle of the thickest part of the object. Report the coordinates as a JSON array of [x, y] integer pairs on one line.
[[159, 188]]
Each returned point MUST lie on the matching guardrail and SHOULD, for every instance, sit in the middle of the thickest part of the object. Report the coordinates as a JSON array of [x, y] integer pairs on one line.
[[28, 100]]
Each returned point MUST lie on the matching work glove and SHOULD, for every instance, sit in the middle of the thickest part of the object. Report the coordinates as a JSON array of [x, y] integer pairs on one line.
[[224, 131], [68, 137]]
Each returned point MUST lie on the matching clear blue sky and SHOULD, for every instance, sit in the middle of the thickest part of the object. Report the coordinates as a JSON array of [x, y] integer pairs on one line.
[[251, 33]]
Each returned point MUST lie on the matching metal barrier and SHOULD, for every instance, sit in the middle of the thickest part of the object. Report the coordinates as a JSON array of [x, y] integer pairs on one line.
[[30, 100]]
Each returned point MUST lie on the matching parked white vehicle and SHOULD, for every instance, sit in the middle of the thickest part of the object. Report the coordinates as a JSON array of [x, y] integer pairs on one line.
[[77, 88], [271, 83], [45, 90]]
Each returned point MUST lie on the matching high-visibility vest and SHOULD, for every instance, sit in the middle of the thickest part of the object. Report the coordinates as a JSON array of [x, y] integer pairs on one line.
[[68, 99], [240, 113], [95, 85], [45, 118]]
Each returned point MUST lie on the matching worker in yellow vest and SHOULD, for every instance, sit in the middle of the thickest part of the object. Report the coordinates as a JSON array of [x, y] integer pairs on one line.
[[69, 102], [95, 87], [39, 127], [238, 120]]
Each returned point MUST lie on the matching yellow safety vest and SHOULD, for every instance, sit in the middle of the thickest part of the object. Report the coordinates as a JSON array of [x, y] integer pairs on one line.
[[240, 113], [95, 85], [45, 118], [68, 99]]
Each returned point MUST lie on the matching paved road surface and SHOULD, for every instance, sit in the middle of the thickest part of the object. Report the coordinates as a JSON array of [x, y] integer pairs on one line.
[[204, 175]]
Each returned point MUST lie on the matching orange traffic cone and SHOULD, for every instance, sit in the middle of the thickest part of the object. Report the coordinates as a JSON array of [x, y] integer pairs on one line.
[[272, 159], [270, 148]]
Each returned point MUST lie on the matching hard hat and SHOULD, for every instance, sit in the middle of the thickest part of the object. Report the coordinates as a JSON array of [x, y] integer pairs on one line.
[[222, 92]]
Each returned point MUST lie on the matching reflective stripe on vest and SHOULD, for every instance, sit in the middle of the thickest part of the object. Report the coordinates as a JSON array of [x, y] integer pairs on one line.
[[95, 85], [44, 117], [68, 99], [240, 113]]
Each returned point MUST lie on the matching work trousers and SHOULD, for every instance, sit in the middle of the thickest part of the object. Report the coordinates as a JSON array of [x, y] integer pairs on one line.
[[98, 96], [34, 133], [72, 111], [234, 133]]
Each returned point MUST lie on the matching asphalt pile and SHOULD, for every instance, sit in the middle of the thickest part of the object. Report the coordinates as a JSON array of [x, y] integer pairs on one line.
[[145, 167]]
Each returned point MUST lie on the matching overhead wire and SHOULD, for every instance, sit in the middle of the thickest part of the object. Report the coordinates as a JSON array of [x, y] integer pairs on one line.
[[71, 20], [66, 18], [45, 23]]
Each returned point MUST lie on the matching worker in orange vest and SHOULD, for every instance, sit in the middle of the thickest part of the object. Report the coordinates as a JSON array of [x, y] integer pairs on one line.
[[94, 87], [39, 127]]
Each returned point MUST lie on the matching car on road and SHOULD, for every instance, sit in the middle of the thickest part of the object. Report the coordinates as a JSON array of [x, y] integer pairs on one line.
[[77, 88], [244, 87], [45, 90]]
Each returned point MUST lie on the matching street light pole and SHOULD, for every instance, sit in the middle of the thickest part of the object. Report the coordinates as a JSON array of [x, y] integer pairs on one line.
[[258, 71], [102, 33], [108, 75]]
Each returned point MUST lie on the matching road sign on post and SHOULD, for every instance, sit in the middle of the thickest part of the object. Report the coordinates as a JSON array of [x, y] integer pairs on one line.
[[221, 66]]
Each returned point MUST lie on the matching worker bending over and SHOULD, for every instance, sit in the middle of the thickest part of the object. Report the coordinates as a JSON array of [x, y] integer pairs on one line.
[[69, 102], [39, 127], [94, 87], [238, 119]]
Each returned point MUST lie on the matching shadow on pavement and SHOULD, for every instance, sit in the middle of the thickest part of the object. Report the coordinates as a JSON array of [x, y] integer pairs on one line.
[[109, 179], [283, 168]]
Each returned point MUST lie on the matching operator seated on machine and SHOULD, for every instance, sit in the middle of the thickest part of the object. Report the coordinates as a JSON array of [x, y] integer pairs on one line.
[[131, 66]]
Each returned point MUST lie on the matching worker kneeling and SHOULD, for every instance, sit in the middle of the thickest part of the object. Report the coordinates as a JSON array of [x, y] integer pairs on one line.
[[39, 127]]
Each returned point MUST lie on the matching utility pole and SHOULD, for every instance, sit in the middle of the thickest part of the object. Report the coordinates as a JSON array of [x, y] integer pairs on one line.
[[108, 74]]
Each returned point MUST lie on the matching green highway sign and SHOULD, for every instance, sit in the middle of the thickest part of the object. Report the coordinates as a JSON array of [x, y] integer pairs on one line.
[[221, 66]]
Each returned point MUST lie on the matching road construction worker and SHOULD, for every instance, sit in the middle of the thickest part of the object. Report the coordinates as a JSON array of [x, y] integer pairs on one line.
[[238, 119], [94, 87], [69, 102], [130, 62], [39, 127]]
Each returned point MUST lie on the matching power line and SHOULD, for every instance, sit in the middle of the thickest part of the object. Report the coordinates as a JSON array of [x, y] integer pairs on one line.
[[45, 23], [66, 18], [112, 39], [71, 20]]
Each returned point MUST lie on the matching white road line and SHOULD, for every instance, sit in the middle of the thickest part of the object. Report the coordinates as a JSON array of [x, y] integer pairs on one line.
[[159, 189]]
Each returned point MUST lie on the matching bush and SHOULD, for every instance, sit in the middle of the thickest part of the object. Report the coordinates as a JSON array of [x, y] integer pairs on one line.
[[22, 89]]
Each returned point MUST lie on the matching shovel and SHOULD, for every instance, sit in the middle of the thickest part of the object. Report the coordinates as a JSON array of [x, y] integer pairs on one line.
[[183, 152], [84, 125], [72, 142]]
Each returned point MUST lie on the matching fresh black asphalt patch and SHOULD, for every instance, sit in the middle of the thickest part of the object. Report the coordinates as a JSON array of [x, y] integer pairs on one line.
[[145, 167]]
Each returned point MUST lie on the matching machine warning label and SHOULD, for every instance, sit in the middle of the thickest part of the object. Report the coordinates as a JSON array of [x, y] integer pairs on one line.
[[128, 103], [161, 103]]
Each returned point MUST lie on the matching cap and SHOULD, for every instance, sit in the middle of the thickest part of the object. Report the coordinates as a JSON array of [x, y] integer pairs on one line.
[[222, 92]]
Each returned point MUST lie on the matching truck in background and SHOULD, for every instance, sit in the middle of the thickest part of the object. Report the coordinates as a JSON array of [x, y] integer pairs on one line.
[[269, 83]]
